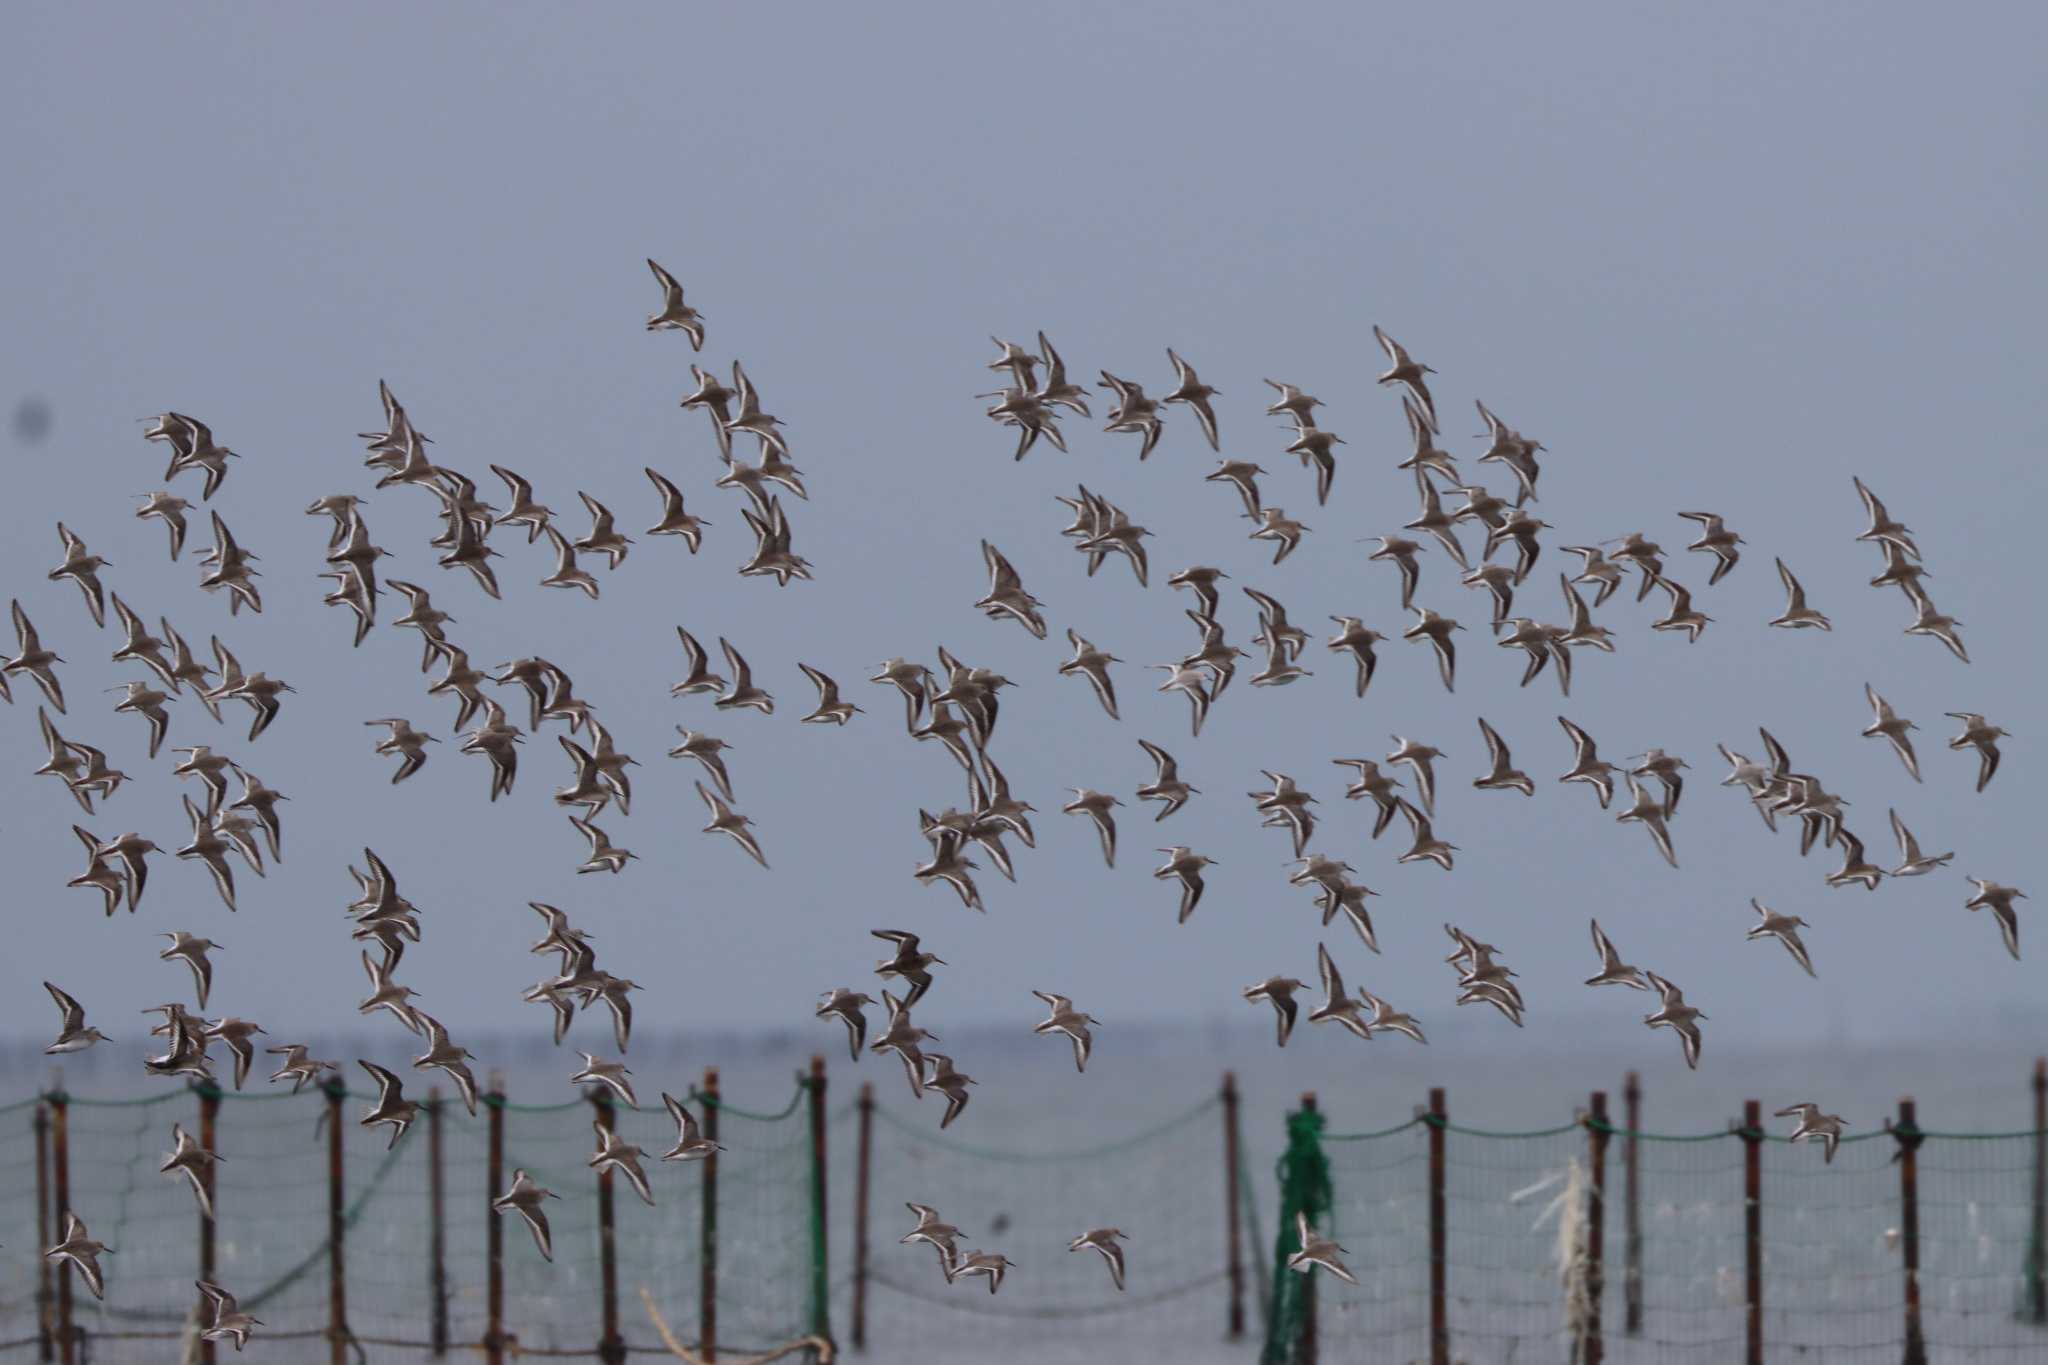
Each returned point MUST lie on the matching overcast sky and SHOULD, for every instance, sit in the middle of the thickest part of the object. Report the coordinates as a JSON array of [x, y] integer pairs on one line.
[[1720, 259]]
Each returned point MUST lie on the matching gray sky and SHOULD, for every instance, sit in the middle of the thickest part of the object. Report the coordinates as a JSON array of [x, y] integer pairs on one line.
[[1721, 259]]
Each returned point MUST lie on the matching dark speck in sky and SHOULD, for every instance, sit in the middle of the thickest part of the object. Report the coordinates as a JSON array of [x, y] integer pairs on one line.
[[31, 420]]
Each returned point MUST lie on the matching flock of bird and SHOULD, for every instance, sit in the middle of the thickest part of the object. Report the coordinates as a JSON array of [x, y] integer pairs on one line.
[[956, 704]]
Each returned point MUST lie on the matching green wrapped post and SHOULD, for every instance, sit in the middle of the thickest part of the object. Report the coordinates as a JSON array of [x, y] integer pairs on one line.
[[821, 1310], [1304, 1189]]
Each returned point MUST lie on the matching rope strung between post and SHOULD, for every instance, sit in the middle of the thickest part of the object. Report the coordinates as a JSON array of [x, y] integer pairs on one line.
[[1136, 1139], [796, 1097]]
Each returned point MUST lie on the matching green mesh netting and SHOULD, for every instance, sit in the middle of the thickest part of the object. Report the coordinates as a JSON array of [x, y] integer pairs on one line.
[[1519, 1209], [1164, 1184], [272, 1250]]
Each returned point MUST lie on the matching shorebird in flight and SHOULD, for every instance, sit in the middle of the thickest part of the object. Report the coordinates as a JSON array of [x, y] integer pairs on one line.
[[989, 1263], [1104, 1240], [615, 1154], [1189, 389], [1797, 614], [1404, 371], [1999, 901], [1317, 1251], [392, 1107], [524, 1198], [1912, 862], [1717, 540], [1785, 929], [1064, 1018], [934, 1232], [1982, 735], [1814, 1124], [675, 315], [1278, 991], [1185, 864], [79, 1248], [1678, 1016], [73, 1035], [189, 1160], [1502, 775], [691, 1144], [1338, 1003], [1888, 724], [1613, 971]]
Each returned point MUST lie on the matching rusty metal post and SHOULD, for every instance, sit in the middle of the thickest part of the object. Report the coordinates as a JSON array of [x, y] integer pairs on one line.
[[1632, 1254], [2037, 1261], [821, 1284], [209, 1122], [611, 1347], [494, 1226], [860, 1217], [1593, 1346], [46, 1347], [1309, 1344], [337, 1230], [1907, 1134], [1439, 1311], [1752, 1134], [1231, 1198], [707, 1230], [437, 1227], [60, 1158]]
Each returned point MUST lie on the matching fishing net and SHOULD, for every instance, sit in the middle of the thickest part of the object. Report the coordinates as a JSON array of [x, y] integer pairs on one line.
[[1519, 1221], [1164, 1184], [271, 1234], [20, 1262]]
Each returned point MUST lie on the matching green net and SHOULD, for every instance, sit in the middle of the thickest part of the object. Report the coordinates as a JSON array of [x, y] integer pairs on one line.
[[19, 1234], [1165, 1184], [1672, 1279], [271, 1245]]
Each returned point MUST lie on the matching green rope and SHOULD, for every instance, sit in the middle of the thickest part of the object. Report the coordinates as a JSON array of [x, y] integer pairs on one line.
[[60, 1097], [1070, 1154], [1376, 1133], [1510, 1134], [795, 1098], [1304, 1189]]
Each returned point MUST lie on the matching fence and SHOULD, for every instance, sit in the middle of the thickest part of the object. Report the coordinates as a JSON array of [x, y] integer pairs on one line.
[[1590, 1242], [1914, 1245], [329, 1238], [1179, 1188]]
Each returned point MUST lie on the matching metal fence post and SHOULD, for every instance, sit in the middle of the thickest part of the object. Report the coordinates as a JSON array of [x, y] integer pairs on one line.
[[60, 1158], [821, 1308], [1907, 1133], [1231, 1197], [707, 1230], [45, 1347], [209, 1122], [860, 1217], [611, 1347], [1309, 1344], [1439, 1312], [2037, 1260], [1632, 1271], [337, 1230], [1594, 1346], [1752, 1134], [438, 1231], [494, 1226]]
